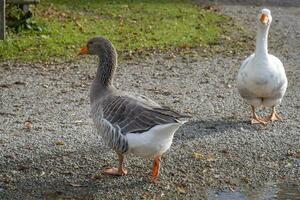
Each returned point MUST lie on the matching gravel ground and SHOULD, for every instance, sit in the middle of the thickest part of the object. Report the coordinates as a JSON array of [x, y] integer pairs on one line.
[[60, 157]]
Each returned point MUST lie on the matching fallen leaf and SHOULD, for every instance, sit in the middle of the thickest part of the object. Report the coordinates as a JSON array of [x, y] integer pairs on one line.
[[60, 142], [297, 154], [198, 156], [75, 185], [211, 158], [181, 190]]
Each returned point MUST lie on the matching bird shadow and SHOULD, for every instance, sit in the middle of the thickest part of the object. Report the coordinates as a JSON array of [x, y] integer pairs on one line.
[[202, 128]]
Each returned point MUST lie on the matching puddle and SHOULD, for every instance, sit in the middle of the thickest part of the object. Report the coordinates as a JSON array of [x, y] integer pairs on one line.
[[277, 191]]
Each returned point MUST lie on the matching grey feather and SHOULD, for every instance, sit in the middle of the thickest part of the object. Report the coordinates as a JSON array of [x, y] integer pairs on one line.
[[117, 113]]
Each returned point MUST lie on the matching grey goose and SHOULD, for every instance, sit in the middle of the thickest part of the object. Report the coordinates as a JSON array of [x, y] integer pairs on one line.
[[127, 123]]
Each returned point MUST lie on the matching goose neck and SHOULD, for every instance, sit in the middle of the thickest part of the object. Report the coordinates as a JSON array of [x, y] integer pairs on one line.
[[106, 68], [262, 41]]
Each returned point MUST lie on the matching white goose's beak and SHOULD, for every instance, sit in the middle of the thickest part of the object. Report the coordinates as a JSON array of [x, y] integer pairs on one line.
[[264, 19]]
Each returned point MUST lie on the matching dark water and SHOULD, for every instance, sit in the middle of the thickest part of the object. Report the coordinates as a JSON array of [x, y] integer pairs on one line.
[[275, 191]]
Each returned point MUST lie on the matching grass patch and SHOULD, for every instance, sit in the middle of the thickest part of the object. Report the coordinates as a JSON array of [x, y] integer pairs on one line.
[[132, 25]]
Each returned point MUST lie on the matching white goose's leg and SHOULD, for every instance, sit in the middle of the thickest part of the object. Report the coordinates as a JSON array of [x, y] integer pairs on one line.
[[156, 167], [256, 119], [120, 171], [274, 116]]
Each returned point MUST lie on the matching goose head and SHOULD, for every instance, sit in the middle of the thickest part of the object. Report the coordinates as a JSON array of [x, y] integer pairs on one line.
[[97, 46], [265, 17]]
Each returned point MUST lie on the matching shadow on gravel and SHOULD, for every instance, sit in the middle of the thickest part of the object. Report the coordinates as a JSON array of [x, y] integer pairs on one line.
[[90, 189], [202, 128]]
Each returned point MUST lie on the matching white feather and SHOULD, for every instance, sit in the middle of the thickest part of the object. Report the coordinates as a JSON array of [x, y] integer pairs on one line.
[[153, 142], [261, 79]]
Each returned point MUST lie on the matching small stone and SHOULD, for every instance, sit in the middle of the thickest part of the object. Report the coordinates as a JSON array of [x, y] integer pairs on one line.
[[290, 152], [28, 124]]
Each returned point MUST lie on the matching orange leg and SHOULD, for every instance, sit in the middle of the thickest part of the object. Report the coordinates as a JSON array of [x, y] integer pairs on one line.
[[156, 167], [255, 119], [121, 171], [274, 116]]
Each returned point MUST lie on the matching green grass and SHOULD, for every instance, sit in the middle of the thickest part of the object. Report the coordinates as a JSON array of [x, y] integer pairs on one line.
[[132, 25]]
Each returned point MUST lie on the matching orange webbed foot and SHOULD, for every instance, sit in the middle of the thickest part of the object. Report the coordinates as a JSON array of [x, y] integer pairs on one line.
[[115, 171], [258, 120], [274, 117]]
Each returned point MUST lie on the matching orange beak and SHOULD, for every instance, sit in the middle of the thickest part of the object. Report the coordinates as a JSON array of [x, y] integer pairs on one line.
[[264, 18], [83, 51]]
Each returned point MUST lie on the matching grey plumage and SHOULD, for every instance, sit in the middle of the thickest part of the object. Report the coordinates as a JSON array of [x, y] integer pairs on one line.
[[134, 116], [117, 113]]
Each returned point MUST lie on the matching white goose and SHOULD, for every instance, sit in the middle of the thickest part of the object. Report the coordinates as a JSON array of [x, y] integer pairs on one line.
[[261, 80], [127, 124]]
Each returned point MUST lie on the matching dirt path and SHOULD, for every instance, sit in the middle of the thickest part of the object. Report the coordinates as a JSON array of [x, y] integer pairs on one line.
[[61, 155]]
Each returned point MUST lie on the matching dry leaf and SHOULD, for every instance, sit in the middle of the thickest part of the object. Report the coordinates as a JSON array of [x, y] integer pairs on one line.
[[60, 143], [198, 156], [75, 185], [211, 158], [181, 190]]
